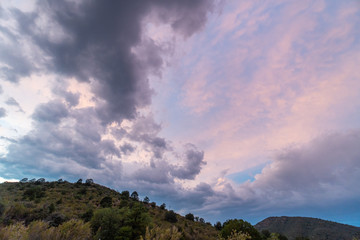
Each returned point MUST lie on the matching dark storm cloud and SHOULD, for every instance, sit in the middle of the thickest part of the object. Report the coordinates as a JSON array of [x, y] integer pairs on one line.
[[94, 40], [2, 112]]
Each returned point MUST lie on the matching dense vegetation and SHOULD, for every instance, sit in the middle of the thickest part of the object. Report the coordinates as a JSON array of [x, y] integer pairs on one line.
[[60, 210], [301, 228]]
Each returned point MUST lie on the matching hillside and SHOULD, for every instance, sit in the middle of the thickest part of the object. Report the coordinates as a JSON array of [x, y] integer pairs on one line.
[[30, 206], [311, 228]]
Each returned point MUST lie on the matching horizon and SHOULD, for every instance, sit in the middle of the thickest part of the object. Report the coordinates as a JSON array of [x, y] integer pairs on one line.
[[225, 109]]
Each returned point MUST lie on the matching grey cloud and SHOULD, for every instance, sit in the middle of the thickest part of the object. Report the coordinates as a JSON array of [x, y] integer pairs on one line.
[[71, 98], [52, 111], [310, 178], [127, 148], [12, 102], [330, 160], [158, 174], [1, 89], [193, 163], [2, 112], [98, 38], [145, 130], [8, 139]]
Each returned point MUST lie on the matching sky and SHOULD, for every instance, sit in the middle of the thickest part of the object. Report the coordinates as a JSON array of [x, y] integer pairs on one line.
[[225, 109]]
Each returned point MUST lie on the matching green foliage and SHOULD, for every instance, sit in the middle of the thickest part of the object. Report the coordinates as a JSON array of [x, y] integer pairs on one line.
[[106, 202], [87, 215], [239, 226], [190, 216], [34, 193], [70, 201], [162, 234], [170, 216], [218, 226], [2, 208], [125, 195], [51, 208], [235, 235], [73, 229], [121, 223]]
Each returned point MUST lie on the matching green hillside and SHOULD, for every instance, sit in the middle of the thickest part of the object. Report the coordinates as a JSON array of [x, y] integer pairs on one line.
[[52, 208], [309, 228]]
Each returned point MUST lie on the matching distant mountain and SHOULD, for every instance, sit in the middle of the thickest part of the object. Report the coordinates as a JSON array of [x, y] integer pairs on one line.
[[311, 228]]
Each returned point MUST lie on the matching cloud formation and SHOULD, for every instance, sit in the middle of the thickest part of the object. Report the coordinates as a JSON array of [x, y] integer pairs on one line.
[[103, 45]]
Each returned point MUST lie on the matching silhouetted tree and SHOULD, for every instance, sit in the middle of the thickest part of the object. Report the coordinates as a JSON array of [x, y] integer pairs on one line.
[[170, 216], [24, 180], [163, 206], [190, 216], [218, 226], [89, 181], [146, 200], [135, 196]]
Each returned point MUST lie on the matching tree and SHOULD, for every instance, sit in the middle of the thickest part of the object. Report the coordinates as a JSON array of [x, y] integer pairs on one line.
[[201, 220], [239, 226], [135, 196], [125, 195], [79, 181], [106, 202], [89, 181], [170, 216], [121, 223], [163, 206], [24, 180], [146, 200], [218, 226], [190, 216]]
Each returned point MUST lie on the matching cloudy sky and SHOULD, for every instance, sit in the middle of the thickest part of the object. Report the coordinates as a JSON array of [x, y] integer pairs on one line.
[[226, 109]]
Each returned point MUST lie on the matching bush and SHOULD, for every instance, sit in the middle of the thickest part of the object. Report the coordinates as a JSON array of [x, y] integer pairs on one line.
[[190, 216], [34, 193], [163, 206], [170, 216], [106, 202], [239, 226]]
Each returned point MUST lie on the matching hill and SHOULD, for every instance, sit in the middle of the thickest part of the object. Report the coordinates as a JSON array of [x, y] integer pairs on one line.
[[312, 228], [52, 208]]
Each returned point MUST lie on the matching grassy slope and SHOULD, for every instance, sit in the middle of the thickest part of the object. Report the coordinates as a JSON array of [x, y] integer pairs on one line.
[[312, 228], [73, 200]]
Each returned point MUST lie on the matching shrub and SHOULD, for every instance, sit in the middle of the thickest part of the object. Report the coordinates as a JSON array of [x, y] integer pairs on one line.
[[106, 202], [240, 226], [190, 216], [170, 216]]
